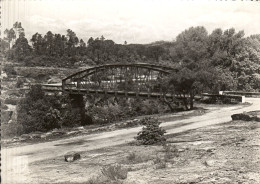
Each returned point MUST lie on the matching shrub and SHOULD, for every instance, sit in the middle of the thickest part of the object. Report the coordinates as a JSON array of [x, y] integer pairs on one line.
[[170, 151], [94, 180], [114, 172], [70, 118], [11, 101], [151, 132], [11, 129], [37, 112], [106, 114], [134, 158], [159, 163], [9, 70], [4, 107], [131, 157], [19, 82]]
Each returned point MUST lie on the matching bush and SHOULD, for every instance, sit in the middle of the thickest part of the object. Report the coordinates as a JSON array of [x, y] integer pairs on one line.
[[9, 70], [11, 129], [37, 112], [114, 172], [106, 114], [19, 83], [159, 163], [4, 107], [170, 152], [151, 132], [11, 101], [70, 118], [133, 158]]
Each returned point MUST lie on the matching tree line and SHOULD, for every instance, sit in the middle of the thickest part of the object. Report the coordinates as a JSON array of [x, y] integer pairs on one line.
[[233, 57]]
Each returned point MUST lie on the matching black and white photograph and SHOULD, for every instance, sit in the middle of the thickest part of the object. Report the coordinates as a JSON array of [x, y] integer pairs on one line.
[[130, 91]]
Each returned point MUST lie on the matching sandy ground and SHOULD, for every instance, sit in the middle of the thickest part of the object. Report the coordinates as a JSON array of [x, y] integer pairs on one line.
[[44, 162]]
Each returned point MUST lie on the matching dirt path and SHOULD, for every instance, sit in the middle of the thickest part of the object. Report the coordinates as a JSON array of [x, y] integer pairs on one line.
[[15, 160]]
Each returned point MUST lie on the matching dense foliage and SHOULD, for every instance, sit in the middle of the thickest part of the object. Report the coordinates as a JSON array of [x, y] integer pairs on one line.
[[234, 58], [205, 62], [151, 133], [38, 112], [112, 110]]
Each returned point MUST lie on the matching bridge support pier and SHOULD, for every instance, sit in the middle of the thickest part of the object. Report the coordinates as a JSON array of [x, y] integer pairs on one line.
[[78, 106]]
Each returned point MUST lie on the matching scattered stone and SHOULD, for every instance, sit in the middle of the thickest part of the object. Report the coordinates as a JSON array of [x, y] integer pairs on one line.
[[56, 132], [48, 134], [35, 136], [71, 156], [72, 132], [209, 149], [43, 136], [15, 139], [81, 128], [181, 150], [25, 136], [210, 163]]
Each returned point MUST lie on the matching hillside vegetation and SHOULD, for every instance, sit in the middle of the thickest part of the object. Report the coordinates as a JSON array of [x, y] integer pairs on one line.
[[234, 57], [205, 62]]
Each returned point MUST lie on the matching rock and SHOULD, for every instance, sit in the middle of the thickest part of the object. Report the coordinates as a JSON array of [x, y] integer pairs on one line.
[[181, 150], [210, 162], [72, 132], [71, 156], [57, 132], [25, 136], [43, 136], [48, 134], [35, 136], [80, 128], [15, 139], [246, 117]]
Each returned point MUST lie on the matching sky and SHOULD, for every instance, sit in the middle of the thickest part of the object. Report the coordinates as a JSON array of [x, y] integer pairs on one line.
[[134, 21]]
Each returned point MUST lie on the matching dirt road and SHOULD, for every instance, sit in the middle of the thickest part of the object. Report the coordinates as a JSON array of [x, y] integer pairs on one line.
[[15, 161]]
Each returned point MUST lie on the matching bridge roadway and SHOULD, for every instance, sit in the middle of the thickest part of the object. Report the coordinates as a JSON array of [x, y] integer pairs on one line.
[[57, 87]]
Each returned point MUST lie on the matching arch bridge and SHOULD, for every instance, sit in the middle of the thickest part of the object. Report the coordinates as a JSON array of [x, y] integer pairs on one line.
[[119, 79]]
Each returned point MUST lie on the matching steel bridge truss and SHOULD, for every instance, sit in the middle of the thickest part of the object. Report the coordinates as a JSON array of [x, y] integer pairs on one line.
[[128, 79]]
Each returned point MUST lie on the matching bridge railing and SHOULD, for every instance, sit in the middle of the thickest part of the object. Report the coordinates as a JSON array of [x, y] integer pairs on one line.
[[222, 97], [242, 93]]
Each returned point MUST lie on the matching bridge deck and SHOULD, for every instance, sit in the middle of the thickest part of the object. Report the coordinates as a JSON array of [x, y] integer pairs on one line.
[[58, 88]]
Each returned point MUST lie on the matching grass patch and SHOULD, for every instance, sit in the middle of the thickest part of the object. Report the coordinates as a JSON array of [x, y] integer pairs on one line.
[[133, 158], [114, 172], [159, 163]]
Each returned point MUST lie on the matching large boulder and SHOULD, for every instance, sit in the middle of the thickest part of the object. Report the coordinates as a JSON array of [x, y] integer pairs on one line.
[[58, 132], [246, 116], [71, 156]]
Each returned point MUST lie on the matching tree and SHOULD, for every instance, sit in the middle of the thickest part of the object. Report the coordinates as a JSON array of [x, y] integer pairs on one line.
[[191, 45], [17, 26], [21, 47], [37, 43], [72, 42], [189, 80], [90, 41], [102, 38], [223, 47], [82, 47], [155, 52], [3, 45], [10, 36]]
